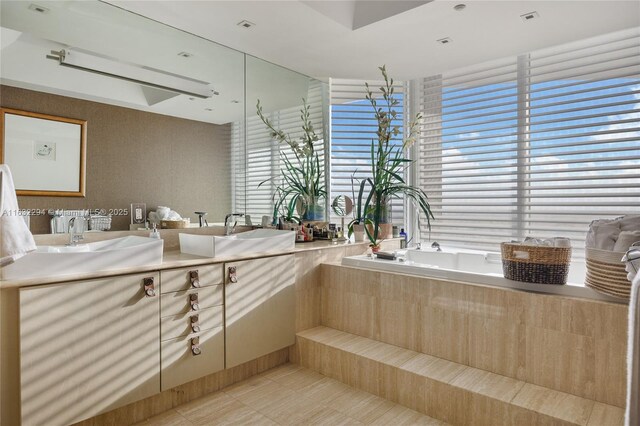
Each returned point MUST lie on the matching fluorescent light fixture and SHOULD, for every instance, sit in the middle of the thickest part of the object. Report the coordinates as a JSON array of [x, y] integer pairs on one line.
[[135, 74]]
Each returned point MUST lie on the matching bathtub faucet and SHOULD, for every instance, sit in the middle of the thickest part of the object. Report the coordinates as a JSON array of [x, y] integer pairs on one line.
[[436, 246]]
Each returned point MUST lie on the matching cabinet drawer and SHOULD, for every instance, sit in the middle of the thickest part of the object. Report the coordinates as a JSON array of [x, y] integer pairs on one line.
[[180, 365], [181, 279], [181, 301], [183, 324]]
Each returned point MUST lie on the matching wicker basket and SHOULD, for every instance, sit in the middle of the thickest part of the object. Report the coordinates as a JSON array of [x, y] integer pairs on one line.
[[175, 224], [100, 222], [535, 264], [606, 273]]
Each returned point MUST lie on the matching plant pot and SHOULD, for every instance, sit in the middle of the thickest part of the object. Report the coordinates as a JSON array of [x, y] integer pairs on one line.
[[385, 231], [358, 233], [375, 249], [314, 210]]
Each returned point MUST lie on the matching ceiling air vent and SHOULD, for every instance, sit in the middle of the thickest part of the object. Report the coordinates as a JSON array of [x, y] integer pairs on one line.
[[530, 16], [246, 24], [37, 8], [445, 40]]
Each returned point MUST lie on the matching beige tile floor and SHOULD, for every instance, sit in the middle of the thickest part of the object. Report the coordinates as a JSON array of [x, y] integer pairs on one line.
[[291, 395]]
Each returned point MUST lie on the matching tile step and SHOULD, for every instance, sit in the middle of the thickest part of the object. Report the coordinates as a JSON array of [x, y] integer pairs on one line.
[[445, 390]]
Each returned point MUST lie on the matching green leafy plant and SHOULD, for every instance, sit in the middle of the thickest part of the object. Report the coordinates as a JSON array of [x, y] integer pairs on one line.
[[302, 175], [359, 213], [388, 162]]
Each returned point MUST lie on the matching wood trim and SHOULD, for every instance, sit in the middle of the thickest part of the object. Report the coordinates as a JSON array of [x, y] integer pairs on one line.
[[83, 151]]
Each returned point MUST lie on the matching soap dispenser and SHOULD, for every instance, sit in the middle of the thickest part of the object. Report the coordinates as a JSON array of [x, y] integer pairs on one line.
[[154, 233]]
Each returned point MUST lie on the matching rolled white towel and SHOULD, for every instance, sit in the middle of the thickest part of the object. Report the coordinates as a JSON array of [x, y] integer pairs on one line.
[[173, 215], [626, 240], [561, 242], [153, 218], [632, 263], [603, 236], [163, 212], [630, 222]]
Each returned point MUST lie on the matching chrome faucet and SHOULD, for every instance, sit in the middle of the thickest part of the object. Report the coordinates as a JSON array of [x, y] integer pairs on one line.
[[436, 246], [74, 237], [228, 228]]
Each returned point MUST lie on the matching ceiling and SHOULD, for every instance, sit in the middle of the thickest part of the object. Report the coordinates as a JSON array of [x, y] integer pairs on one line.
[[322, 39], [318, 38]]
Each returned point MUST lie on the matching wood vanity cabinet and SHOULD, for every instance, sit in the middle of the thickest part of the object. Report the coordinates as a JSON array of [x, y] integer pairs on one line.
[[259, 307], [88, 347], [192, 324]]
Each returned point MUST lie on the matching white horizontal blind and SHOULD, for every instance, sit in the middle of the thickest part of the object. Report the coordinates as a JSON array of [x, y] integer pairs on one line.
[[536, 145], [256, 158], [353, 127]]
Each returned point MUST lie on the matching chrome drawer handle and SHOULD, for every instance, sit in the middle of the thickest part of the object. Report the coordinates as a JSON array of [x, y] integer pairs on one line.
[[233, 274], [195, 346], [194, 277], [149, 287], [195, 325], [193, 299]]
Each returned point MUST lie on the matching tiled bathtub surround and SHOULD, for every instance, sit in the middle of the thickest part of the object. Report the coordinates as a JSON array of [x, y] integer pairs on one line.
[[572, 345]]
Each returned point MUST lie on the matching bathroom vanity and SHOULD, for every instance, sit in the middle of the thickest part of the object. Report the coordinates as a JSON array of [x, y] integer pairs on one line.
[[77, 347]]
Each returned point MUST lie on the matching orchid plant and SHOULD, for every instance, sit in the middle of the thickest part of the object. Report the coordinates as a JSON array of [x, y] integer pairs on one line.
[[388, 162], [302, 175]]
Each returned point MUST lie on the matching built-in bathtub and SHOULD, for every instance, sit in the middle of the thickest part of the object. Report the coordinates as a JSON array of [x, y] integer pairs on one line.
[[474, 267]]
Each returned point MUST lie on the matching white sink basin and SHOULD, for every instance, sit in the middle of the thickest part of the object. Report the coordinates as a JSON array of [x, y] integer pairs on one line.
[[118, 253], [257, 241]]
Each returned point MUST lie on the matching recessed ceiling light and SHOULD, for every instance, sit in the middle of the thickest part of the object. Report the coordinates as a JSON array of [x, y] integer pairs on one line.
[[445, 40], [37, 8], [215, 92], [246, 24], [235, 102], [192, 99], [208, 109], [459, 7], [185, 54], [529, 16]]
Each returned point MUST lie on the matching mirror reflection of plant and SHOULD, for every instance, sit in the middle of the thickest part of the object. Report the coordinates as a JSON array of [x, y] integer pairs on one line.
[[360, 215], [387, 160], [302, 176]]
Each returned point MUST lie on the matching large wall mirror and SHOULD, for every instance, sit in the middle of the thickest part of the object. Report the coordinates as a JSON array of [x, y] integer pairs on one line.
[[182, 138]]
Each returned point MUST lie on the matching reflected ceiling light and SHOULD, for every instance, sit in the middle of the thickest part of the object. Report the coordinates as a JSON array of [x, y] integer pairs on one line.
[[245, 24], [135, 74], [529, 16]]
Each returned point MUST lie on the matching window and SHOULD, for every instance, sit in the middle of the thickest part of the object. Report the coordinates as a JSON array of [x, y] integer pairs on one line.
[[256, 158], [536, 145], [353, 127]]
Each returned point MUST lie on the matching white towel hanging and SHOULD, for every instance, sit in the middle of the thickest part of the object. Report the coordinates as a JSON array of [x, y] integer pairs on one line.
[[15, 238]]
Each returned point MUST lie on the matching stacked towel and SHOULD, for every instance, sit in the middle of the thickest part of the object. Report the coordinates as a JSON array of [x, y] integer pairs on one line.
[[615, 234], [15, 238], [163, 213], [626, 240], [549, 242]]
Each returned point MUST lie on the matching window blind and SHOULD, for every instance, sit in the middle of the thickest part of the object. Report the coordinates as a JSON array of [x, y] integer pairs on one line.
[[256, 157], [353, 127], [536, 145]]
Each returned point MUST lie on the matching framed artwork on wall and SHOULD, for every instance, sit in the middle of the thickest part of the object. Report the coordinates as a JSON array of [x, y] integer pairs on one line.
[[46, 154]]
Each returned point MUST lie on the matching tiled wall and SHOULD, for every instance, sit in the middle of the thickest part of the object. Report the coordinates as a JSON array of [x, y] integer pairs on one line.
[[572, 345]]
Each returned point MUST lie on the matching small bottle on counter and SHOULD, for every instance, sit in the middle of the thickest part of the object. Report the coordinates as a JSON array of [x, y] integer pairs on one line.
[[300, 235], [403, 241], [154, 233]]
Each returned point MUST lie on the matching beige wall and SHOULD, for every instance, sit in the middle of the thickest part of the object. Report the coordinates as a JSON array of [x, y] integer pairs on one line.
[[135, 156]]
